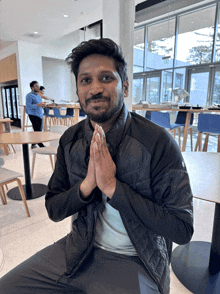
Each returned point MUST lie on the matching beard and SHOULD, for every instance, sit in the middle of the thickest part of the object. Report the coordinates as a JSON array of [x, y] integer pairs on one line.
[[108, 114]]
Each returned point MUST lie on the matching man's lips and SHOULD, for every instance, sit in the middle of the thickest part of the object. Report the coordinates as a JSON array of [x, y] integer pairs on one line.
[[97, 100]]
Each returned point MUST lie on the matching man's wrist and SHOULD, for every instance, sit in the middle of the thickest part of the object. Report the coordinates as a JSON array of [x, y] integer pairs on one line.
[[85, 189], [110, 190]]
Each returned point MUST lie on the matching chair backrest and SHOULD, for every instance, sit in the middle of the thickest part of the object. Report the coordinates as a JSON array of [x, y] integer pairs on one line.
[[161, 118], [60, 129], [209, 123], [1, 161], [181, 118], [148, 115], [81, 112], [56, 112], [70, 111], [46, 111]]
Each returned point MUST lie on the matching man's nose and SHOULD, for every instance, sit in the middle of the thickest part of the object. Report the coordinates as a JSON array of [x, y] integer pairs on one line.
[[96, 87]]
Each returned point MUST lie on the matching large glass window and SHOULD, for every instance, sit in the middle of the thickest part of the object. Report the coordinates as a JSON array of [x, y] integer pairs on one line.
[[179, 78], [137, 90], [199, 81], [166, 90], [138, 55], [195, 38], [160, 45], [216, 93], [153, 89], [217, 52]]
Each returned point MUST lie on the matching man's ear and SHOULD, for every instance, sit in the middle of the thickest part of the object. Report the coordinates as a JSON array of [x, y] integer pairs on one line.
[[126, 88]]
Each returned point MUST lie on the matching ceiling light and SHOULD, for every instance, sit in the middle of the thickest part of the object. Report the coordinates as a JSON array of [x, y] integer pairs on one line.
[[65, 15], [36, 33]]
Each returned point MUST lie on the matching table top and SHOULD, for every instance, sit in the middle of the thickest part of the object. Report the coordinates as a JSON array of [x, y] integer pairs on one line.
[[73, 105], [28, 137], [6, 120], [165, 108], [204, 174]]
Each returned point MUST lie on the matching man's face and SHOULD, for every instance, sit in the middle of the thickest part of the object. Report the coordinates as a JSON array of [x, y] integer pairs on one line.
[[36, 88], [99, 88]]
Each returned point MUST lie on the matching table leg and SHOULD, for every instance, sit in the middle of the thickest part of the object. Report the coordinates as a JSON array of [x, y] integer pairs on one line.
[[76, 115], [197, 264], [186, 130], [27, 173], [214, 261], [31, 191]]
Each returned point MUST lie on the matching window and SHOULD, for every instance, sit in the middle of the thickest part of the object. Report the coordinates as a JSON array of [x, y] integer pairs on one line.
[[137, 90], [138, 54], [160, 45], [195, 38]]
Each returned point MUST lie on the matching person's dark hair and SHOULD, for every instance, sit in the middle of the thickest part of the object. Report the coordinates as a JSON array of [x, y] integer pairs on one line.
[[42, 88], [105, 47], [32, 83]]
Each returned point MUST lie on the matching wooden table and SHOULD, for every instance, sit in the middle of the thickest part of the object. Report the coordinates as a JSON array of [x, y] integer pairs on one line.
[[76, 107], [31, 190], [2, 122], [197, 264], [188, 116]]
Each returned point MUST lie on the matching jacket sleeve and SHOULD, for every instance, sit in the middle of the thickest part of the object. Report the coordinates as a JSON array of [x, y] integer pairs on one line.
[[62, 200], [169, 213]]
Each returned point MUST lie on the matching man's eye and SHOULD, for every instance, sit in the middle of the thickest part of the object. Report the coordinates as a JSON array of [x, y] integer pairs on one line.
[[85, 80], [107, 78]]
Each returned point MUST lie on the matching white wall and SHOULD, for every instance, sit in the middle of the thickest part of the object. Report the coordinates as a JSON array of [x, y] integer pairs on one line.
[[57, 80]]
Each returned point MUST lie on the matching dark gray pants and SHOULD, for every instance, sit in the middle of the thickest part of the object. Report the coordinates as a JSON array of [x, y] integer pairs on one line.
[[103, 273]]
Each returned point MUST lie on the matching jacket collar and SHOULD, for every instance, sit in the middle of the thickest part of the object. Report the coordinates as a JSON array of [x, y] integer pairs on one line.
[[115, 135]]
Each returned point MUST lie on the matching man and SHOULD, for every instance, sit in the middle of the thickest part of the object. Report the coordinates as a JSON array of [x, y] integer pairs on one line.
[[34, 109], [124, 180], [41, 93]]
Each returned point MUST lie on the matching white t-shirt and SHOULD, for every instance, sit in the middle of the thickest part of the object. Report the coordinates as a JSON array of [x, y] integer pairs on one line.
[[111, 234]]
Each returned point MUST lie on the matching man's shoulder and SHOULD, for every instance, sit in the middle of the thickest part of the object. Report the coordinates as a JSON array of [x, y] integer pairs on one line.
[[148, 133], [73, 133]]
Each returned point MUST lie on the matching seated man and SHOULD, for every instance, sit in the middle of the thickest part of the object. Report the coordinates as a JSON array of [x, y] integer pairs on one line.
[[124, 180]]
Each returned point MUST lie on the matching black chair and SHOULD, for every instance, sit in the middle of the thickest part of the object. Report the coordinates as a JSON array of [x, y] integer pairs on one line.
[[181, 120]]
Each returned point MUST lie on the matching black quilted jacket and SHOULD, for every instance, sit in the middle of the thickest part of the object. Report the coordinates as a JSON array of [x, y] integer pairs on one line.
[[152, 195]]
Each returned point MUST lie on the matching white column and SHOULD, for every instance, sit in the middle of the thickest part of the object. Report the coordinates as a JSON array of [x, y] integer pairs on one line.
[[118, 25]]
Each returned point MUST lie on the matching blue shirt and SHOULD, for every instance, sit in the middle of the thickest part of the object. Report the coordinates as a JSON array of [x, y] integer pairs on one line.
[[32, 99]]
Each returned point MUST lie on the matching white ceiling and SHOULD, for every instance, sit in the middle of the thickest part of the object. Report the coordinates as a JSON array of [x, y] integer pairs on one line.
[[19, 19]]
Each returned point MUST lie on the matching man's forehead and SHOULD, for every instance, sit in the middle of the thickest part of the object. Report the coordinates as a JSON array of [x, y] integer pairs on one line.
[[96, 63]]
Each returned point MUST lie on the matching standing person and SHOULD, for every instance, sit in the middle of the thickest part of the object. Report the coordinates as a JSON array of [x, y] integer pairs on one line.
[[124, 180], [41, 93], [34, 109]]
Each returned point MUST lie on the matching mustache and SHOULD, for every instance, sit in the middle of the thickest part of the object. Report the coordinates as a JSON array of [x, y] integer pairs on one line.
[[97, 96]]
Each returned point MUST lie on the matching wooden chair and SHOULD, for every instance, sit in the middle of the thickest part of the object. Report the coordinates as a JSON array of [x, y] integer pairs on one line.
[[8, 176], [207, 123], [50, 150]]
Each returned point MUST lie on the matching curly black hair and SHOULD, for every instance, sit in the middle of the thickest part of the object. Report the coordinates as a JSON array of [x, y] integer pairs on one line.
[[105, 47]]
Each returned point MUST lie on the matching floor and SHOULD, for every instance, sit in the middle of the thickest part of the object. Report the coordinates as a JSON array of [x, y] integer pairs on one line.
[[21, 237]]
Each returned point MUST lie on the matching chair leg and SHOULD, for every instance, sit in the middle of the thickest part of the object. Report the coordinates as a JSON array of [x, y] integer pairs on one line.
[[2, 194], [51, 161], [218, 149], [179, 135], [205, 146], [191, 138], [23, 196], [198, 142], [33, 164], [174, 133]]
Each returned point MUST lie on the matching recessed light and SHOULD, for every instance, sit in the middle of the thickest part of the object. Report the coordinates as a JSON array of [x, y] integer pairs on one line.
[[65, 15], [36, 33]]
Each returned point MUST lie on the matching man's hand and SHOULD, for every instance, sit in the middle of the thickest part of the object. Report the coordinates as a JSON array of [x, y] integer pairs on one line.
[[105, 168], [89, 183], [41, 104]]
